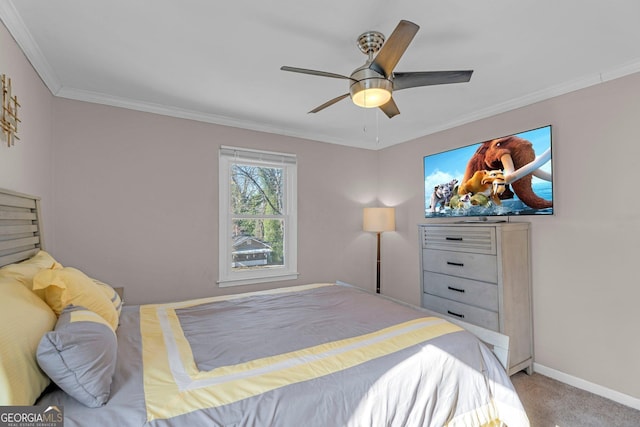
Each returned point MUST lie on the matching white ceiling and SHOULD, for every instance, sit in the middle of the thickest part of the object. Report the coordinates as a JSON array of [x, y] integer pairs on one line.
[[219, 62]]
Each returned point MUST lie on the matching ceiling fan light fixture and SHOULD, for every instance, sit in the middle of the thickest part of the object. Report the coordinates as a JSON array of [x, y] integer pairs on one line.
[[373, 83], [371, 93]]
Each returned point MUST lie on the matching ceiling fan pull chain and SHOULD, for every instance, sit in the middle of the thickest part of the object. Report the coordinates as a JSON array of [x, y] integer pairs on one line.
[[377, 128], [364, 121]]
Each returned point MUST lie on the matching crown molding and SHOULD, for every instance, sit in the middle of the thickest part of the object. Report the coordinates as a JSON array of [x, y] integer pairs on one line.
[[171, 111], [14, 23]]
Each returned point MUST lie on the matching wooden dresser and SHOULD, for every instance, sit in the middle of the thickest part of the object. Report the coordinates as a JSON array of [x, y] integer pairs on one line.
[[480, 273]]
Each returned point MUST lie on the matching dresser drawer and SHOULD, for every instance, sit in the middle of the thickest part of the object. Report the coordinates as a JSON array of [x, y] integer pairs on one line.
[[473, 292], [461, 264], [459, 238], [478, 316]]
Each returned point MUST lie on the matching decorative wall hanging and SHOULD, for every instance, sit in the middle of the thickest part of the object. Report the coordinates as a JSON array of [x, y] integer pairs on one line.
[[9, 119]]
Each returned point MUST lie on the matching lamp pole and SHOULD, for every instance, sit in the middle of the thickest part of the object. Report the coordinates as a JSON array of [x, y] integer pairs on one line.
[[378, 267]]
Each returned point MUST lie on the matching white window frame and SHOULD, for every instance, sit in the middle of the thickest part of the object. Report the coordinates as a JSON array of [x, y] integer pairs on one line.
[[228, 156]]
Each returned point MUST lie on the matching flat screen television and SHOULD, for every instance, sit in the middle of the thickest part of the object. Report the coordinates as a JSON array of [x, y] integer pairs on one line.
[[510, 175]]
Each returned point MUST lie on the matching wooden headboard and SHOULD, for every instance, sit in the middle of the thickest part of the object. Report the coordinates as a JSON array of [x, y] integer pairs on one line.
[[20, 227]]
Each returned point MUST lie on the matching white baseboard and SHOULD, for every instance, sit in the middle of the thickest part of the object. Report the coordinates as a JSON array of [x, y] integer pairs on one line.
[[616, 396]]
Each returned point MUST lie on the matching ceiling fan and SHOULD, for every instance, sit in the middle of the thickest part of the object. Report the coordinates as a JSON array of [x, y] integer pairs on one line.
[[372, 84]]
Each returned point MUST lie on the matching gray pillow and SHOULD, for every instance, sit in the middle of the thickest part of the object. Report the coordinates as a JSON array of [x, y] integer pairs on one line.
[[79, 355]]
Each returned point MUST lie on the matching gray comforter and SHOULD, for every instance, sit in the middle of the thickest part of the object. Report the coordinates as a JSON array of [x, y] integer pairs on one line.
[[320, 355]]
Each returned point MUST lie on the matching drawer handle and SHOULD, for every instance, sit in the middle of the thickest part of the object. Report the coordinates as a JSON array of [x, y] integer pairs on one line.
[[455, 314], [457, 239], [455, 289], [457, 264]]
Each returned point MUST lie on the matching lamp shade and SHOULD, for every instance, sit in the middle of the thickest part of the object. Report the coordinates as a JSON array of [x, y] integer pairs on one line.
[[379, 219]]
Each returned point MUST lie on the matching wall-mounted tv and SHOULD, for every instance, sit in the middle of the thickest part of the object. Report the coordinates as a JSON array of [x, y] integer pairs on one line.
[[510, 175]]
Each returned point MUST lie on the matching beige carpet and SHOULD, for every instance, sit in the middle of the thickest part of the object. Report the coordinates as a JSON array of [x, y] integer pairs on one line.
[[550, 403]]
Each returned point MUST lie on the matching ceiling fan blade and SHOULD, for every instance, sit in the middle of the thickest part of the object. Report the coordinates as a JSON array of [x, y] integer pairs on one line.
[[394, 47], [329, 103], [390, 108], [428, 78], [314, 72]]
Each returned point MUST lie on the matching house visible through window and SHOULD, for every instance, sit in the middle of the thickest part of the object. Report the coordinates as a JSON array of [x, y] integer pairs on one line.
[[258, 221]]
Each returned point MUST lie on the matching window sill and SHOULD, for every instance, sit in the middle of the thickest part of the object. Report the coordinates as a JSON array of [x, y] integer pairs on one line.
[[253, 280]]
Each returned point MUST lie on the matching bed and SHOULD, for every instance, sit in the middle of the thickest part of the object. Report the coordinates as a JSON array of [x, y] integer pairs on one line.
[[324, 354]]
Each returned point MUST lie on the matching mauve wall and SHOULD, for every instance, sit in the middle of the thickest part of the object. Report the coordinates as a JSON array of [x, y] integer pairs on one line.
[[26, 167], [585, 257], [136, 202]]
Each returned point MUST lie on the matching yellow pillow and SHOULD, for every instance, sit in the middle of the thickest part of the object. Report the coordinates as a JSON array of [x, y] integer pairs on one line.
[[71, 286], [111, 294], [25, 271], [24, 319]]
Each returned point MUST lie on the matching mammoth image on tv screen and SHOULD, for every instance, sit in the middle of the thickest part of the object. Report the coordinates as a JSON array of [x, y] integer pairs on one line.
[[510, 175]]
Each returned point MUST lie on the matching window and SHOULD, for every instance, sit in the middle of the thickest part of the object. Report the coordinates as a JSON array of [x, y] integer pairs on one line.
[[258, 216]]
